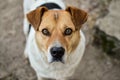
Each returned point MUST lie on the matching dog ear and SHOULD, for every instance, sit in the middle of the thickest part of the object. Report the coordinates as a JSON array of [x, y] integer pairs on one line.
[[78, 16], [35, 16]]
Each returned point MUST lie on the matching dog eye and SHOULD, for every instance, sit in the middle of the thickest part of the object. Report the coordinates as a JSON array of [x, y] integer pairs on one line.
[[46, 32], [68, 31]]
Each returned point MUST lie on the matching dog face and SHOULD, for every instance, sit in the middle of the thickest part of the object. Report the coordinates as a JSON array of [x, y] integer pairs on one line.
[[57, 31]]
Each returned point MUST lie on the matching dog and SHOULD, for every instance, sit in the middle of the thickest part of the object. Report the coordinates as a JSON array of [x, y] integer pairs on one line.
[[55, 43]]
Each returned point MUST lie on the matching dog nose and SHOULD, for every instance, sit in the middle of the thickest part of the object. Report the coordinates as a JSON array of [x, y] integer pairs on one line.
[[57, 52]]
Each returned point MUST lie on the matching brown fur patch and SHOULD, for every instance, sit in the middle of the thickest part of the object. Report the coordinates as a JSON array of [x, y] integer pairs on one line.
[[34, 17], [57, 27], [79, 16]]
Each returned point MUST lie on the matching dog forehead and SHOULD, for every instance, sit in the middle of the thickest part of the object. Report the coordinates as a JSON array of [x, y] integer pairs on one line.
[[56, 18], [56, 14]]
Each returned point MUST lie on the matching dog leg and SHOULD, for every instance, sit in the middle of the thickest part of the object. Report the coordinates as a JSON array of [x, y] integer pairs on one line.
[[62, 79], [26, 50], [40, 78], [25, 53]]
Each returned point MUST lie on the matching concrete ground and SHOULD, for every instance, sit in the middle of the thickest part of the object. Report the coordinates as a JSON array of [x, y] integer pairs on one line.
[[95, 65]]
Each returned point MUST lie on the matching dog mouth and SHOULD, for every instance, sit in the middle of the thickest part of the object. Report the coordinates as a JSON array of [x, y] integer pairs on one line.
[[57, 60]]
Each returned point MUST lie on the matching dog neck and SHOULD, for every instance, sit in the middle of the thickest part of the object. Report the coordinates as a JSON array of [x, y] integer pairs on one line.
[[50, 6]]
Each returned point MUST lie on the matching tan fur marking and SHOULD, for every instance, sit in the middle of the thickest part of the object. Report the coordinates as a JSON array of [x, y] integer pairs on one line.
[[56, 16]]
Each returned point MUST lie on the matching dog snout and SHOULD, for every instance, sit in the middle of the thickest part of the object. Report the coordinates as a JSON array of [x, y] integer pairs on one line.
[[57, 53]]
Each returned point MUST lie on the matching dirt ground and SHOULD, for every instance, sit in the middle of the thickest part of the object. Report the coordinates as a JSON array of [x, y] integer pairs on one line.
[[95, 65]]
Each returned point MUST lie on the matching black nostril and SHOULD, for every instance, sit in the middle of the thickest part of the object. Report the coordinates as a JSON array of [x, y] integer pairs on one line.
[[57, 52]]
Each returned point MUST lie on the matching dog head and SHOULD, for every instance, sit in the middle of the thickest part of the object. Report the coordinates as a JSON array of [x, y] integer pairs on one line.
[[57, 31]]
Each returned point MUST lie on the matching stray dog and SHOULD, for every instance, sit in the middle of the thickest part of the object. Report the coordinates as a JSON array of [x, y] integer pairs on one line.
[[55, 43]]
